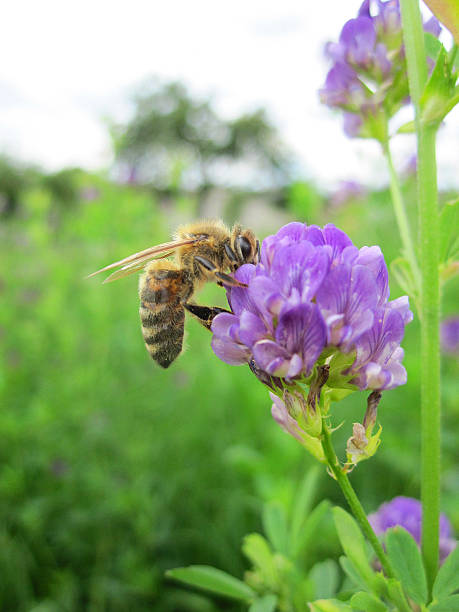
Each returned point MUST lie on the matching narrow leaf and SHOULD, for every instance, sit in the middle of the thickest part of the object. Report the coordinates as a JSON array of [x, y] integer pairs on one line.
[[275, 526], [449, 604], [214, 580], [353, 543], [407, 128], [437, 92], [267, 603], [310, 526], [396, 594], [406, 560], [367, 603], [352, 573], [257, 550], [303, 504], [447, 580], [329, 605], [432, 45], [449, 223], [401, 269], [325, 577]]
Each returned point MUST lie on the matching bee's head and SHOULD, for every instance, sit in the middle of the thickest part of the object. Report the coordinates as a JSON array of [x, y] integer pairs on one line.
[[243, 248]]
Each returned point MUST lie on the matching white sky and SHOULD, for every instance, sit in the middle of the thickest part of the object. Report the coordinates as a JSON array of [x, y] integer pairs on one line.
[[66, 65]]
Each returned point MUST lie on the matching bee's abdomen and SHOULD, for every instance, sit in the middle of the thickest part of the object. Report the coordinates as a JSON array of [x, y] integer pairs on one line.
[[162, 314]]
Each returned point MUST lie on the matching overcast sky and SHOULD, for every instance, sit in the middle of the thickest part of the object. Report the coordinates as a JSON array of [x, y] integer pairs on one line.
[[66, 65]]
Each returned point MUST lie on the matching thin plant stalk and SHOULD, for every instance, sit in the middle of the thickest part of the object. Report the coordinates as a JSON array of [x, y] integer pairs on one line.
[[430, 291], [402, 219], [353, 500]]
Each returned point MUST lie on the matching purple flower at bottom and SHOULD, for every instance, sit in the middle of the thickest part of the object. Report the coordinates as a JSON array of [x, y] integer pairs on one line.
[[407, 512], [312, 296], [449, 335]]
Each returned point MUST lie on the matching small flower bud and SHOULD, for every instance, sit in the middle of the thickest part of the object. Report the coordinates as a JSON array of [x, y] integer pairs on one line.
[[283, 416], [362, 444], [308, 418]]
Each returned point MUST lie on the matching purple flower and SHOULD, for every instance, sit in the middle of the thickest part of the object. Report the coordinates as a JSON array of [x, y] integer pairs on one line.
[[367, 76], [407, 512], [449, 335], [312, 296], [348, 191], [352, 124], [342, 88]]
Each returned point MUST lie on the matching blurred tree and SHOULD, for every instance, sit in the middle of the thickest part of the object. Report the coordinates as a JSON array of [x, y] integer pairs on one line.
[[13, 181], [174, 141], [63, 189]]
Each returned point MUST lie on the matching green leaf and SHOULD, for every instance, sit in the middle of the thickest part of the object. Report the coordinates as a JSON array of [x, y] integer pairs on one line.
[[353, 544], [438, 97], [329, 605], [310, 526], [275, 526], [339, 363], [367, 603], [396, 594], [401, 270], [214, 580], [447, 580], [449, 223], [446, 11], [449, 604], [325, 577], [432, 44], [352, 573], [302, 505], [267, 603], [257, 550], [406, 560], [407, 128]]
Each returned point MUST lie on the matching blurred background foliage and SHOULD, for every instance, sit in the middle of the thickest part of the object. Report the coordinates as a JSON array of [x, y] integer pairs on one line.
[[113, 471]]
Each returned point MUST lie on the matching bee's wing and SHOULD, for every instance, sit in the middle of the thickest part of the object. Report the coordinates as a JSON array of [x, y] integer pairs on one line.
[[134, 266], [138, 260]]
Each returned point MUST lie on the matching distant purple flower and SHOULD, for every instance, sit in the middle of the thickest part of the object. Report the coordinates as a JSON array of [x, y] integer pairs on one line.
[[89, 194], [366, 78], [313, 290], [449, 335], [347, 191], [407, 512], [411, 166], [352, 124], [432, 26]]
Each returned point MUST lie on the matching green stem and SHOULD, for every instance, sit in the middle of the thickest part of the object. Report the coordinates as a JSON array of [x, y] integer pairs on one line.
[[353, 500], [430, 291], [402, 218]]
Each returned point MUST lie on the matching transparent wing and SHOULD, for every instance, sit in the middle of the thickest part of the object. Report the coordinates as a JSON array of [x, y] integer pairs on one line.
[[134, 266], [137, 261]]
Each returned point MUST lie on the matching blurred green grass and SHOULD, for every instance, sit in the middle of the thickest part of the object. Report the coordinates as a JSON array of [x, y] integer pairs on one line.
[[112, 470]]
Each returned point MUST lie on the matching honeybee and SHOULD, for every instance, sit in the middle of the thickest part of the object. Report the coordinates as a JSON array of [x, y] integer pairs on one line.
[[204, 251]]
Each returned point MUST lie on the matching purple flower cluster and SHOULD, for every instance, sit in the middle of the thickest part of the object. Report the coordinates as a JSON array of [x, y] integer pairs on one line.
[[368, 76], [312, 296], [407, 512]]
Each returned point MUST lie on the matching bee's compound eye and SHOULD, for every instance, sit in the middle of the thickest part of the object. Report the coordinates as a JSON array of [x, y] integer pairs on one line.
[[244, 246]]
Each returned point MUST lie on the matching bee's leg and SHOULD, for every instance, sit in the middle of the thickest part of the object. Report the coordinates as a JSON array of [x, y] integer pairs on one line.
[[225, 279], [204, 314], [231, 256]]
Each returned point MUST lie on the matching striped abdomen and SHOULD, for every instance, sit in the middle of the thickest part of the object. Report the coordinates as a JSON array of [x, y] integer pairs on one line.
[[162, 291]]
